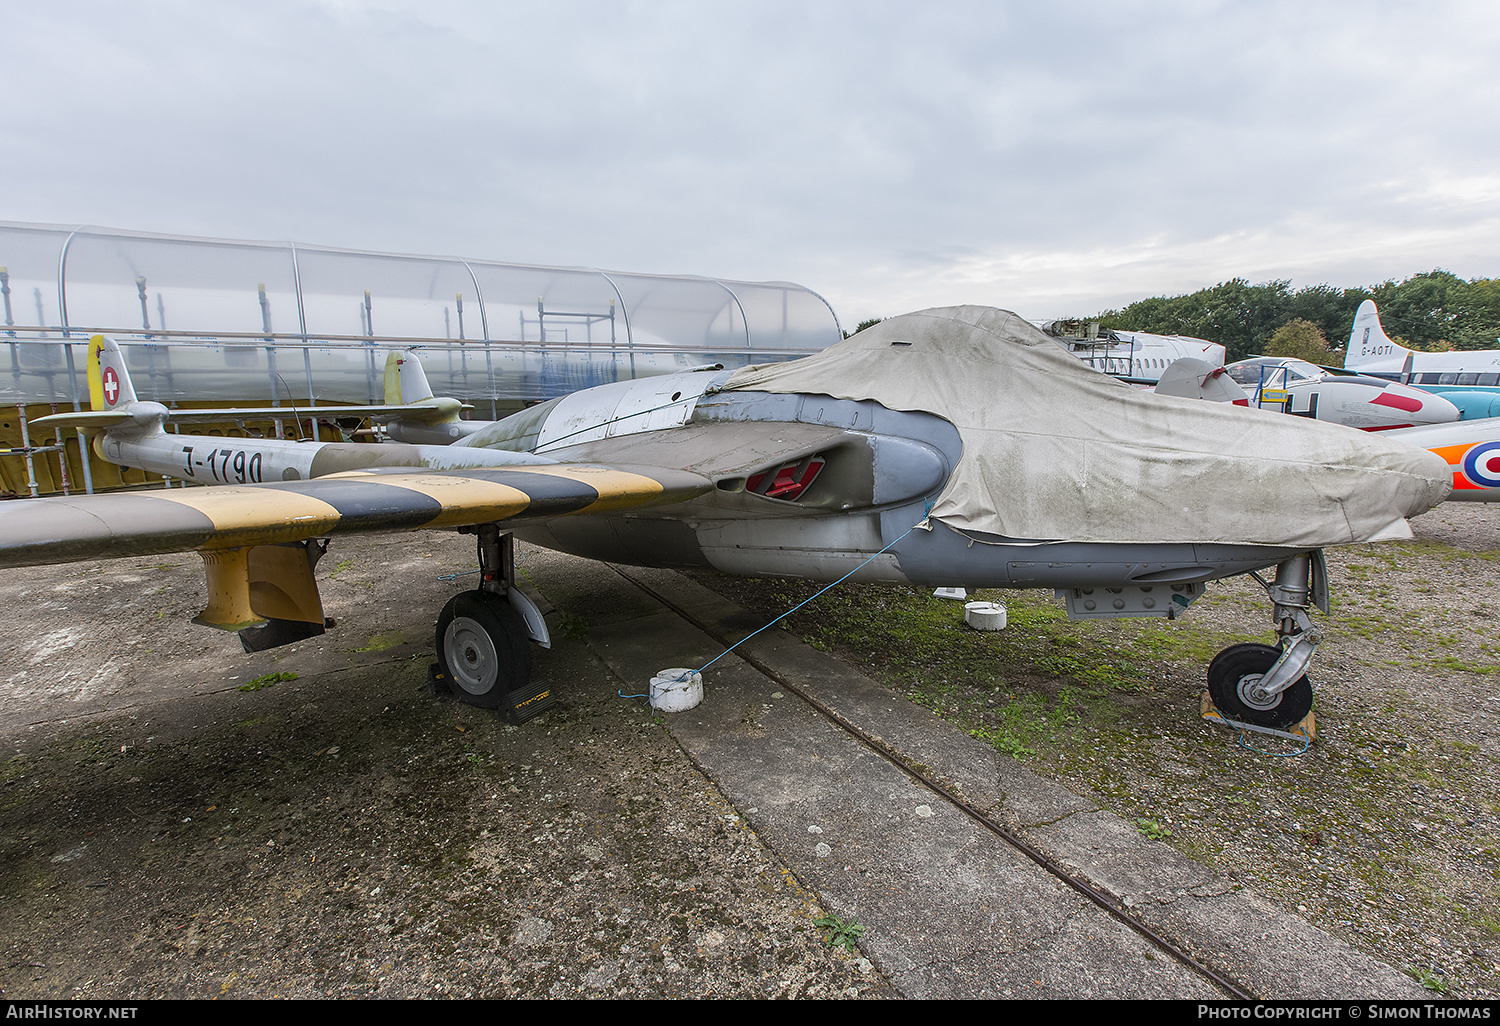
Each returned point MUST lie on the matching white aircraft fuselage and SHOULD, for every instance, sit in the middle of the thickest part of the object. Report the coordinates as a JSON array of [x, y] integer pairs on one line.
[[1354, 400]]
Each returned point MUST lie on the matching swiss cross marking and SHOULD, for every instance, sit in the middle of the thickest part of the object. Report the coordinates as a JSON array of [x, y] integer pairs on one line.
[[111, 385]]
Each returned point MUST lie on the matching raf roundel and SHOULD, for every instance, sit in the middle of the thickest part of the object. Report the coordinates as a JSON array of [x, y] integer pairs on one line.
[[111, 385], [1482, 465]]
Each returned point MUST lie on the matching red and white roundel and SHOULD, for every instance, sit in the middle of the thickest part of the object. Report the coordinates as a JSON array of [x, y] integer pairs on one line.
[[111, 385], [1482, 464]]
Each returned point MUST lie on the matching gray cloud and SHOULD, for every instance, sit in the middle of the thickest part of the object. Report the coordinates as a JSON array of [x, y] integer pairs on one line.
[[1052, 159]]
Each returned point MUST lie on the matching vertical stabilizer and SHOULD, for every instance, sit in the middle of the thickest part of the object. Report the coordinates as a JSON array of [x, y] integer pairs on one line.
[[405, 381], [1370, 349], [109, 381]]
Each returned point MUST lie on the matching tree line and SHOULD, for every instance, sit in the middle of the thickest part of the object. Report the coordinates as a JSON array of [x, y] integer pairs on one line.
[[1434, 310]]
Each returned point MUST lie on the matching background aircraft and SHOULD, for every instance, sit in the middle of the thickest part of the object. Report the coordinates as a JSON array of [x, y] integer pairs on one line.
[[1469, 379], [939, 448], [1135, 356], [1340, 397]]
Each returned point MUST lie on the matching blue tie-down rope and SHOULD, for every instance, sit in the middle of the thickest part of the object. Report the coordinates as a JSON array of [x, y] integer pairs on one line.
[[799, 605], [1243, 741]]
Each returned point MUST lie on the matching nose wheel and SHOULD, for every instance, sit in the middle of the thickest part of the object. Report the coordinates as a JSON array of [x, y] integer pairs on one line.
[[1236, 685], [1265, 686]]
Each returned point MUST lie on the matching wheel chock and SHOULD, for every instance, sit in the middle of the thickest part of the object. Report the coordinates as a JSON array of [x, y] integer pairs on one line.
[[1306, 731], [519, 706], [524, 703]]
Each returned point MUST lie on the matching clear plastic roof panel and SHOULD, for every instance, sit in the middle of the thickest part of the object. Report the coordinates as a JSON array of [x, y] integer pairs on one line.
[[548, 304], [228, 320], [782, 315], [699, 311], [151, 284], [29, 256], [373, 295]]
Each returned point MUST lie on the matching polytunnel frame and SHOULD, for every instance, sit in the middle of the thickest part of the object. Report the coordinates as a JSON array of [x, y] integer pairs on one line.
[[305, 342], [306, 339]]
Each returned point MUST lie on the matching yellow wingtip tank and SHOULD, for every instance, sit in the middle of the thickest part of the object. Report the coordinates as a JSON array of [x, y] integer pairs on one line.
[[228, 606]]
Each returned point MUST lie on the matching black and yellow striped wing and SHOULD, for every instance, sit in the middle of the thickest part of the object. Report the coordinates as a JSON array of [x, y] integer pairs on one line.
[[35, 532]]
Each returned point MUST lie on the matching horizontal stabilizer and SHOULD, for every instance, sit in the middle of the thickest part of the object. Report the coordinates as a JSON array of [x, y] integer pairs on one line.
[[85, 419], [436, 410]]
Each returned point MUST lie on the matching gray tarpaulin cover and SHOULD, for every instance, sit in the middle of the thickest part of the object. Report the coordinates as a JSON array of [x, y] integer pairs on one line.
[[1056, 450]]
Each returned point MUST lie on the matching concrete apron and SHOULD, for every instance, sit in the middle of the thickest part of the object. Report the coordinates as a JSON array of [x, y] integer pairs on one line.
[[950, 910]]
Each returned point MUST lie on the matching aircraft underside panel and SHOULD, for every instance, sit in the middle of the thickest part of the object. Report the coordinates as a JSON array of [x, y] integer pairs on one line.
[[824, 548], [944, 556]]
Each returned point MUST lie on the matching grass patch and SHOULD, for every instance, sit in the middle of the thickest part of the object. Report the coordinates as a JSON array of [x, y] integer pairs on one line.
[[382, 641], [267, 680]]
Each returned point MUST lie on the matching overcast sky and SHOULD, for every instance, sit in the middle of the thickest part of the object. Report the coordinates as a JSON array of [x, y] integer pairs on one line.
[[1050, 158]]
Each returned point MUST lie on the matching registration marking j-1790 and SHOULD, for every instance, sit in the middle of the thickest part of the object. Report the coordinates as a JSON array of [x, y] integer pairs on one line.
[[245, 464]]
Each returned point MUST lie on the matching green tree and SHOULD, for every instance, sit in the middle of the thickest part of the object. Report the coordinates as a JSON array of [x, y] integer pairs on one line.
[[1419, 309], [1301, 338], [1431, 310], [863, 325], [1331, 309], [1237, 315], [1476, 314]]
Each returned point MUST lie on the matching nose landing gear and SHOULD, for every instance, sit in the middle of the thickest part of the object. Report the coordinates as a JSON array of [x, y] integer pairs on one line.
[[1237, 685], [1267, 686]]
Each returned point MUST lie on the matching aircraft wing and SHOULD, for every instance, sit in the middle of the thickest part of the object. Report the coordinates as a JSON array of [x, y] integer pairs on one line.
[[82, 527]]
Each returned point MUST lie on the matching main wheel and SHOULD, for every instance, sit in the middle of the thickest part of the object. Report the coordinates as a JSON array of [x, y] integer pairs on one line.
[[484, 648], [1234, 685]]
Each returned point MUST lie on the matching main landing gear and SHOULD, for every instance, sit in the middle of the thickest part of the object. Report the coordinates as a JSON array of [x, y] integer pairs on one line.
[[484, 636], [1267, 686]]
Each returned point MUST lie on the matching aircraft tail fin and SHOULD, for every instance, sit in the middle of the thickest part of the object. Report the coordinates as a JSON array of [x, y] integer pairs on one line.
[[416, 412], [109, 380], [405, 381], [1191, 378], [1370, 347], [112, 400]]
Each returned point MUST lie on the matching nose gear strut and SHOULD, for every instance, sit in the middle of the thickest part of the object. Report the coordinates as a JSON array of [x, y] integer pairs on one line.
[[1267, 686]]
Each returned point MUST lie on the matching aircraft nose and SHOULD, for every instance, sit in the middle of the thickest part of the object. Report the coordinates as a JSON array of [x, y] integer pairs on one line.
[[1423, 479], [1418, 406]]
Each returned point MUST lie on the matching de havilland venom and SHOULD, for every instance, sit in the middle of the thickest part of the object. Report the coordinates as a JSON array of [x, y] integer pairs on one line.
[[955, 446]]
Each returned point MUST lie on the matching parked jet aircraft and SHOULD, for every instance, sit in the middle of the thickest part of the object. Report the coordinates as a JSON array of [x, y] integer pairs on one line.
[[133, 436], [1470, 379], [939, 448], [1342, 397], [1136, 356]]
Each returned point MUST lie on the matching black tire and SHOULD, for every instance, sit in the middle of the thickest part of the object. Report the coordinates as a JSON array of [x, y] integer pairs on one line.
[[484, 648], [1236, 669]]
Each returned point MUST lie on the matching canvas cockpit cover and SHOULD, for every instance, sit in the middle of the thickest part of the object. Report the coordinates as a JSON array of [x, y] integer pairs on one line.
[[1054, 450]]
